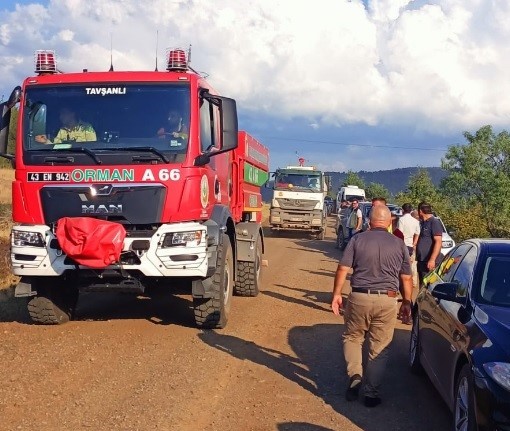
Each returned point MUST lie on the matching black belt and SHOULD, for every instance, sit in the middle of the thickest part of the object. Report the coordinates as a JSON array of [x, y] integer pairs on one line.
[[390, 293]]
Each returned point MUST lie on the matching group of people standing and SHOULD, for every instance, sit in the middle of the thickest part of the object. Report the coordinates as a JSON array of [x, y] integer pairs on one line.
[[381, 261]]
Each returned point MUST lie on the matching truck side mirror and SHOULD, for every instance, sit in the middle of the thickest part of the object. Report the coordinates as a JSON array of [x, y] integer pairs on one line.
[[5, 120], [228, 115], [229, 127]]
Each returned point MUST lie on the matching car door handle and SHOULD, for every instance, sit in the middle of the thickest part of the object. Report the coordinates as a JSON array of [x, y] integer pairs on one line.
[[457, 335]]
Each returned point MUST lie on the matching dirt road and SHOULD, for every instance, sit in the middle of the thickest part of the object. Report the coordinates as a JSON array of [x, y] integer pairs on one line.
[[139, 364]]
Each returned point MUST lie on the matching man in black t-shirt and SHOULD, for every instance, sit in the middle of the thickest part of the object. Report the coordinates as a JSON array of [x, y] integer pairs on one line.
[[428, 248]]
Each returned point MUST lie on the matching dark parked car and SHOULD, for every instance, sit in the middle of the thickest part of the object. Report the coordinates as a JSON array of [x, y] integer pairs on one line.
[[461, 333]]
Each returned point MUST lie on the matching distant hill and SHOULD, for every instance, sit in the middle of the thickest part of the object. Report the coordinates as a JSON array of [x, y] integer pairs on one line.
[[395, 180]]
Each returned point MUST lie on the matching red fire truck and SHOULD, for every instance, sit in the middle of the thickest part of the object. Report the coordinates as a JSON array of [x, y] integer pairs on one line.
[[125, 180]]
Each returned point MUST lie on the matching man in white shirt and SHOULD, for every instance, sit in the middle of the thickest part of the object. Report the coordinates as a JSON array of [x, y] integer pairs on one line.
[[410, 227]]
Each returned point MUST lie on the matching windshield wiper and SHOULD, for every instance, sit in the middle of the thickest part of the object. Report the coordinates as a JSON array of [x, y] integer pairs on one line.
[[74, 150], [141, 149], [59, 159]]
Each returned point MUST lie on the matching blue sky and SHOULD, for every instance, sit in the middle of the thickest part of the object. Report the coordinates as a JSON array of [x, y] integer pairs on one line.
[[361, 85], [11, 4]]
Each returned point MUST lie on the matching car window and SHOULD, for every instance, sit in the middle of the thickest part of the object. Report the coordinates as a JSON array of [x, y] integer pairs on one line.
[[451, 262], [495, 286], [464, 273]]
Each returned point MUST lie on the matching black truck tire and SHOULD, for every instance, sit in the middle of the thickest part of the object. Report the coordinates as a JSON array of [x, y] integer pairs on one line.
[[213, 312], [248, 274], [340, 239], [53, 306]]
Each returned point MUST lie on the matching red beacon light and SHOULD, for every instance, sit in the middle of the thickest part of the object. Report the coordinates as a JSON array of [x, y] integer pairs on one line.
[[45, 62], [176, 60]]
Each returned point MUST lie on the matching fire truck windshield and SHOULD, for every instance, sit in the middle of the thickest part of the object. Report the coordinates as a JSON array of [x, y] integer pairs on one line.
[[106, 123]]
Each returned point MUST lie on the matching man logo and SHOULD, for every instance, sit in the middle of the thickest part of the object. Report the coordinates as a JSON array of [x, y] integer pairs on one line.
[[101, 209]]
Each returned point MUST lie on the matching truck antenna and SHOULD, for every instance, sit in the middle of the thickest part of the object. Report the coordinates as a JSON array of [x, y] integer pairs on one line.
[[189, 61], [157, 40], [111, 52]]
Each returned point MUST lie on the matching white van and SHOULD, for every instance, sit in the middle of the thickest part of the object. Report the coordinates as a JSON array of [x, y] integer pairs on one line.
[[349, 193]]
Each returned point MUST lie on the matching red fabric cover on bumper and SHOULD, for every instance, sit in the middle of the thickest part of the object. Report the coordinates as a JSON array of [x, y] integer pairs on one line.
[[91, 242]]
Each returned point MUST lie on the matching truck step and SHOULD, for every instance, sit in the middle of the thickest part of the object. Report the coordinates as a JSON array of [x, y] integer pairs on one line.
[[124, 286]]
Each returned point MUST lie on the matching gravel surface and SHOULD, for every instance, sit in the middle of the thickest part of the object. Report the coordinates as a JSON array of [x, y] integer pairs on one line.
[[138, 363]]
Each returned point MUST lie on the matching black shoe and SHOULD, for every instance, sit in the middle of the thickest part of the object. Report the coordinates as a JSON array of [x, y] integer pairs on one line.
[[354, 386], [372, 401]]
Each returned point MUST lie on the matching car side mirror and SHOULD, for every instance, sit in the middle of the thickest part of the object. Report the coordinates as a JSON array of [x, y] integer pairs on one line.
[[447, 292]]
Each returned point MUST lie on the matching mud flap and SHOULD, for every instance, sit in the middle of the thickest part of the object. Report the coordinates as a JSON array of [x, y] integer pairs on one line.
[[247, 235], [24, 288]]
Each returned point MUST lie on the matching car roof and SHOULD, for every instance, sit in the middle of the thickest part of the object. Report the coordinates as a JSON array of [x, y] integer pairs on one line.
[[491, 245]]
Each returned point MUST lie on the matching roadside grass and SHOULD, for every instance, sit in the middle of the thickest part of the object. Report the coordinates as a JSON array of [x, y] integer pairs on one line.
[[6, 277]]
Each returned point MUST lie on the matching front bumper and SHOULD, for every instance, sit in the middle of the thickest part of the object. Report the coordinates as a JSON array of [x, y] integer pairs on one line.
[[296, 220], [154, 261], [492, 404]]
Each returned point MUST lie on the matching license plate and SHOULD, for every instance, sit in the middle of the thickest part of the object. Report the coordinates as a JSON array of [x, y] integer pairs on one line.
[[296, 219]]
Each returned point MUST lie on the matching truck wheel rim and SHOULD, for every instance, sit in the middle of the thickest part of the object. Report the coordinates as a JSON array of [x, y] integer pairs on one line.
[[257, 266], [226, 290], [462, 406]]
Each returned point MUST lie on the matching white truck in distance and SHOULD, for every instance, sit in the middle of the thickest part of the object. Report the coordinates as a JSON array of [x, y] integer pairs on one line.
[[298, 200], [349, 193]]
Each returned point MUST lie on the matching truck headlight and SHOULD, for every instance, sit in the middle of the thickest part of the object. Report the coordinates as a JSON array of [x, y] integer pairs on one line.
[[192, 238], [317, 221], [499, 372], [275, 203], [21, 238], [447, 244]]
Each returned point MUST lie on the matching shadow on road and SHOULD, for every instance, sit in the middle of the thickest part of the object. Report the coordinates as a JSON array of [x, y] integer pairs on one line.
[[161, 306], [311, 298], [301, 426], [409, 402], [306, 242]]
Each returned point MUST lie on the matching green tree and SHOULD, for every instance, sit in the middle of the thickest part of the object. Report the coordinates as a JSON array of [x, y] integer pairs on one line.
[[420, 188], [480, 178], [377, 190], [353, 179]]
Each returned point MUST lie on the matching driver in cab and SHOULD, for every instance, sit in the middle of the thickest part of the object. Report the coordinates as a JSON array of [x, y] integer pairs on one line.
[[72, 130], [314, 184], [174, 127]]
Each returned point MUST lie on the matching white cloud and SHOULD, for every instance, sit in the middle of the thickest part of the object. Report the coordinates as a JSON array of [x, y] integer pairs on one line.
[[440, 65], [66, 35]]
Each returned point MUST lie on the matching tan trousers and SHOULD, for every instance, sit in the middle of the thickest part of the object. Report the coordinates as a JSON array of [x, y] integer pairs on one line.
[[372, 316]]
